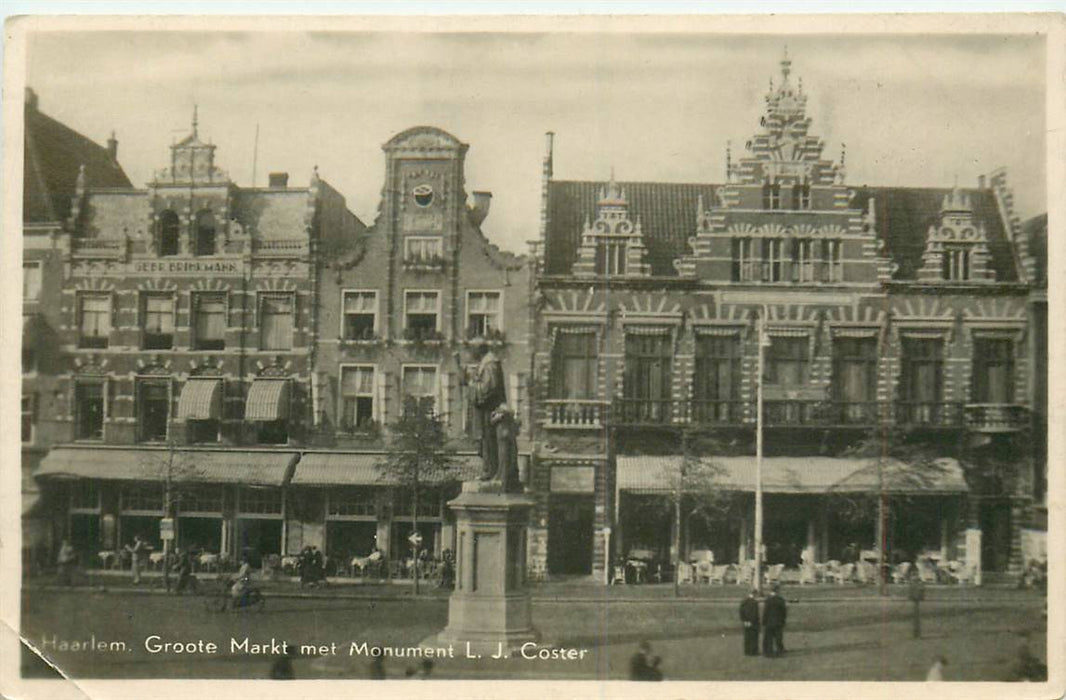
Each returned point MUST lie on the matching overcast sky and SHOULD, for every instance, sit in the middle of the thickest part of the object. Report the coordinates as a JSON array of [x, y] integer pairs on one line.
[[913, 110]]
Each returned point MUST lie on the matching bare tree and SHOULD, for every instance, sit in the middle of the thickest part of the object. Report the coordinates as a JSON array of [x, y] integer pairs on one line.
[[418, 457], [177, 473]]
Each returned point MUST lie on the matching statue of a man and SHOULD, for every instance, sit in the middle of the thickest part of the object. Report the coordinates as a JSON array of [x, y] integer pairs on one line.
[[506, 433], [488, 394]]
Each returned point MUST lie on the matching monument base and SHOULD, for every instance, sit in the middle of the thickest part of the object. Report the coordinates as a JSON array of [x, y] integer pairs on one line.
[[490, 609]]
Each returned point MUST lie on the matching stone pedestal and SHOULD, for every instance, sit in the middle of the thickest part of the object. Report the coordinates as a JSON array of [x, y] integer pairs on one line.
[[491, 604]]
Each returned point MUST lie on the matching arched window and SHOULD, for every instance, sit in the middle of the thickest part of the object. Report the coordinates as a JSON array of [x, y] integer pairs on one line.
[[169, 228], [205, 233]]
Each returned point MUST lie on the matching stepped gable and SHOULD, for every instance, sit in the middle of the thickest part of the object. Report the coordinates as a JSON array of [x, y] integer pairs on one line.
[[54, 152], [904, 215], [1034, 230], [667, 213]]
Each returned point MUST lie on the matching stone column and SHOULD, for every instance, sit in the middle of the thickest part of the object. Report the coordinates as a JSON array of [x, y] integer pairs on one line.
[[490, 608]]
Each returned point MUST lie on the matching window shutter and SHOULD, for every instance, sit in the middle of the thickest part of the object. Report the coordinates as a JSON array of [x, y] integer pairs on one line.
[[381, 396], [443, 396]]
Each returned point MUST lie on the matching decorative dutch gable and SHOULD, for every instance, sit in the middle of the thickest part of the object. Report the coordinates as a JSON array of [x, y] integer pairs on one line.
[[612, 245], [956, 247]]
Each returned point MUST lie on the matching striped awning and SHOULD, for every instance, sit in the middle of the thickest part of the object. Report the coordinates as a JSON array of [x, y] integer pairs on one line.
[[813, 475], [363, 469], [244, 466], [201, 399], [268, 399]]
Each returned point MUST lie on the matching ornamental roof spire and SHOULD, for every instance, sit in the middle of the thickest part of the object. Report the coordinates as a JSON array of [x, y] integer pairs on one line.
[[195, 120], [786, 65]]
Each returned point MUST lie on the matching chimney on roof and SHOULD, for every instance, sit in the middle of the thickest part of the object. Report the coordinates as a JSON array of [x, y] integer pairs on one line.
[[31, 99], [981, 182], [480, 209], [112, 147], [280, 180]]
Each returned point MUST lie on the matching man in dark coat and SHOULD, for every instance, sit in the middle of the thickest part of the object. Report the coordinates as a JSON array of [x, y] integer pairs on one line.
[[773, 619], [643, 666], [749, 617]]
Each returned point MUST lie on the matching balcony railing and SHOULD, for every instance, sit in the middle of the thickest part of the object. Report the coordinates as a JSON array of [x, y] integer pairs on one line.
[[281, 247], [996, 417], [98, 247], [706, 411], [644, 411], [576, 413], [928, 414]]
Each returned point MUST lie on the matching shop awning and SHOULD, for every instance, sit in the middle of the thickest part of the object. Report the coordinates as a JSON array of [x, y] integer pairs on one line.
[[812, 475], [201, 399], [268, 399], [361, 469], [247, 467]]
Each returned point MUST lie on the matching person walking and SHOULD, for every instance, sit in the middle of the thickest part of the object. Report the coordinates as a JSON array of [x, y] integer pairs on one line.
[[65, 560], [183, 568], [749, 617], [774, 615], [916, 594], [136, 549]]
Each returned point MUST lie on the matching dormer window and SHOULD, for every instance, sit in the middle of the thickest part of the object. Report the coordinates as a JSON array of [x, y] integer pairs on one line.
[[743, 264], [956, 263], [771, 195], [610, 257], [169, 228]]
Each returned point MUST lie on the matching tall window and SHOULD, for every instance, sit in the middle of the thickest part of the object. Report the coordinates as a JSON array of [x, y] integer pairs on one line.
[[771, 195], [421, 311], [921, 383], [157, 313], [482, 313], [423, 250], [956, 263], [803, 260], [610, 256], [94, 320], [648, 368], [357, 397], [275, 321], [574, 366], [169, 233], [360, 314], [993, 370], [833, 265], [153, 409], [31, 281], [743, 263], [801, 196], [30, 342], [771, 259], [205, 233], [786, 360], [89, 411], [717, 379], [209, 321], [420, 381], [27, 417], [855, 378]]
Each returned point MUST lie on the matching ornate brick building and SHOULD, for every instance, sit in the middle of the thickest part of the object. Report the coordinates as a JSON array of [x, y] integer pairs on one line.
[[886, 311]]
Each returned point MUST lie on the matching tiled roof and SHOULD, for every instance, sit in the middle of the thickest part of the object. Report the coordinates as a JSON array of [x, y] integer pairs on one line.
[[904, 215], [667, 212], [54, 153]]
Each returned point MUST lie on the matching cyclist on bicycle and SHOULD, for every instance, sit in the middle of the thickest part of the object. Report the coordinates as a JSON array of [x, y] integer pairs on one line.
[[241, 582]]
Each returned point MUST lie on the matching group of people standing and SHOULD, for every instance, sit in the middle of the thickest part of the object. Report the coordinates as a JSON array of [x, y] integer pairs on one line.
[[312, 566], [771, 621]]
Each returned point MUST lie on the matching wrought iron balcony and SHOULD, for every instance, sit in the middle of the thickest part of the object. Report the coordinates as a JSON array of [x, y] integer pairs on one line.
[[715, 412], [576, 413], [996, 417]]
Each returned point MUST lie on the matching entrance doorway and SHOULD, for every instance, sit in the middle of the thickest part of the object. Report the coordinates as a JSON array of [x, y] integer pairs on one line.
[[346, 539], [995, 524], [570, 533], [257, 538]]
